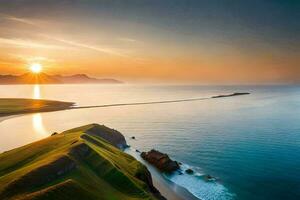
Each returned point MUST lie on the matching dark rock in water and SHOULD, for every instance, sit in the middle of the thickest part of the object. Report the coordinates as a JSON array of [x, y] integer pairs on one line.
[[180, 173], [189, 171], [208, 177], [179, 163], [137, 151], [133, 137], [160, 161], [55, 133]]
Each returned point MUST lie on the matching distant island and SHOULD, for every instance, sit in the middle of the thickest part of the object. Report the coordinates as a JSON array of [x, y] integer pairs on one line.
[[43, 78], [231, 95]]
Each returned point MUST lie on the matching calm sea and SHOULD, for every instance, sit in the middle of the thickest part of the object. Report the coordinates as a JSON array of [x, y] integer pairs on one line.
[[251, 143]]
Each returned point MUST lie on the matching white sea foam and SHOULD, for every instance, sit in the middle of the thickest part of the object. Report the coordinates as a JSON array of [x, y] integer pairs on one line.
[[197, 185]]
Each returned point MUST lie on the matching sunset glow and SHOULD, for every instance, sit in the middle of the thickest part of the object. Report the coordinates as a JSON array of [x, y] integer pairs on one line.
[[36, 68], [209, 87], [196, 42]]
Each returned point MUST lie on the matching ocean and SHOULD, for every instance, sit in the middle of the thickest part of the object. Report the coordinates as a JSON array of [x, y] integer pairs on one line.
[[250, 144]]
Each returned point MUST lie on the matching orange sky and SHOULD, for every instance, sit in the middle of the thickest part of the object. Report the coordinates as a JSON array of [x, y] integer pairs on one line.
[[142, 49]]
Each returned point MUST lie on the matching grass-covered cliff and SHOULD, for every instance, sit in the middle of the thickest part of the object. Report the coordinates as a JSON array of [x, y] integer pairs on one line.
[[82, 163]]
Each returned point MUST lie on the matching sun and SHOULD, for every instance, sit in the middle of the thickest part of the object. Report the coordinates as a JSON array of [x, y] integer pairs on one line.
[[36, 68]]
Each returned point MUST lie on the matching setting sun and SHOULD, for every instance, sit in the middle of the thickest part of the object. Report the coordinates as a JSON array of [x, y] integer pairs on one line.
[[36, 68]]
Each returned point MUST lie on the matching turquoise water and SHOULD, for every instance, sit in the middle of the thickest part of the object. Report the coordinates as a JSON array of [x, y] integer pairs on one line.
[[251, 144]]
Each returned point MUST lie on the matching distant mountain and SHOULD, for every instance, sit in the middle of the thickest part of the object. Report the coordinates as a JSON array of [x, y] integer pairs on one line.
[[43, 78]]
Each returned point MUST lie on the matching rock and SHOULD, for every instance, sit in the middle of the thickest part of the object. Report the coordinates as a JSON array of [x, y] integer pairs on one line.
[[80, 150], [55, 133], [133, 137], [146, 177], [137, 151], [160, 161], [114, 137], [208, 177], [189, 171]]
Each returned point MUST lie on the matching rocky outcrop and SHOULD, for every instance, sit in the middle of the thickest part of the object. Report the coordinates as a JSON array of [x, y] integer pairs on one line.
[[160, 160], [112, 136], [208, 177], [189, 171], [146, 177], [80, 150]]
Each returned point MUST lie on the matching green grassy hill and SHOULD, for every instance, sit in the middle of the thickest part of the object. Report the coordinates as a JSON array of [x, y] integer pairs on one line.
[[75, 164]]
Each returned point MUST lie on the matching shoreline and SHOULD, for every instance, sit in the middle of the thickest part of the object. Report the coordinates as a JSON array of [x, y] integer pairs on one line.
[[28, 105], [167, 188]]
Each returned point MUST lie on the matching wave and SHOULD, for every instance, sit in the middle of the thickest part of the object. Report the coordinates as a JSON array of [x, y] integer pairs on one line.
[[198, 184]]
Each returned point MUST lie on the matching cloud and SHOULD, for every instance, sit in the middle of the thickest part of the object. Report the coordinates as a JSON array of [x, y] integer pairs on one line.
[[22, 20], [7, 63], [106, 50], [32, 44], [20, 43], [32, 22], [128, 40], [30, 59]]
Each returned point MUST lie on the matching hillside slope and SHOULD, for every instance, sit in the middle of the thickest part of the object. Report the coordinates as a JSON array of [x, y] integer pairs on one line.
[[75, 164]]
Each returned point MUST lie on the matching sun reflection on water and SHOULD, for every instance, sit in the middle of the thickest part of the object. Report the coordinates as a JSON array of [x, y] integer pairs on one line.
[[37, 119], [38, 125], [36, 92]]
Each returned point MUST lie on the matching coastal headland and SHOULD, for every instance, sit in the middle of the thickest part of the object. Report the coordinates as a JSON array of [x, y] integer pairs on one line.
[[77, 163]]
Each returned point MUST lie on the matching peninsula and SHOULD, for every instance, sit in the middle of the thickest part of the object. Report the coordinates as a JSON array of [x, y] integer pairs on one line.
[[82, 163], [14, 106]]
